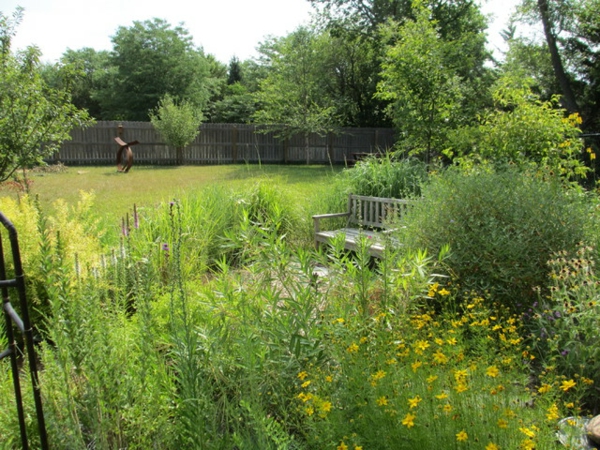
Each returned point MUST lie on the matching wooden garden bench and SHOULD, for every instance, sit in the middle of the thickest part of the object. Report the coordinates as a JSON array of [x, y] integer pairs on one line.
[[366, 216]]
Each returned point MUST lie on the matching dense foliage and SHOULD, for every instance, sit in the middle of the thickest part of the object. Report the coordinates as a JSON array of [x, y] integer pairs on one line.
[[502, 228], [34, 117]]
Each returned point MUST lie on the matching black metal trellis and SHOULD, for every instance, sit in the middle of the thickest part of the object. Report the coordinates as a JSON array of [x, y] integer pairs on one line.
[[24, 326]]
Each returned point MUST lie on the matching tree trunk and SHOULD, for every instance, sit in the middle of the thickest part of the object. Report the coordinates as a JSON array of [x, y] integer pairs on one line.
[[559, 71]]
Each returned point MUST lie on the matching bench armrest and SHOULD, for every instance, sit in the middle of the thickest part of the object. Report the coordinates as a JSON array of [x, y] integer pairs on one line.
[[318, 217]]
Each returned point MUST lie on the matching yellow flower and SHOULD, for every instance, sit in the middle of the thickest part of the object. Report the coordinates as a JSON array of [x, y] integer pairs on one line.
[[416, 365], [326, 406], [382, 401], [462, 436], [421, 346], [358, 447], [441, 396], [552, 412], [302, 375], [451, 341], [329, 378], [527, 432], [567, 384], [305, 397], [440, 358], [409, 420], [414, 402], [527, 444], [460, 375], [309, 410], [306, 383], [342, 446], [492, 371], [461, 387], [544, 388], [447, 408], [353, 348], [339, 320], [444, 292], [492, 446], [431, 379], [502, 423]]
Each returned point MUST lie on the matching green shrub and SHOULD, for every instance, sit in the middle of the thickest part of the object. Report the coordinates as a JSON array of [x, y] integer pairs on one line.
[[502, 228]]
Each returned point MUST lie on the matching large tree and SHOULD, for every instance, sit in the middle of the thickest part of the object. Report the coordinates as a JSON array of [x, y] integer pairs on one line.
[[152, 59], [292, 98], [34, 118], [354, 26], [421, 81]]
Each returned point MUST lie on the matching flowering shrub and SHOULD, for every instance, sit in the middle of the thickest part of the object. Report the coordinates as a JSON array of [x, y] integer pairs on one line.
[[564, 326], [425, 379]]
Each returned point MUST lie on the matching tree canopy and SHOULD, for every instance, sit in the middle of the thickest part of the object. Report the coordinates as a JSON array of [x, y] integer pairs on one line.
[[34, 117]]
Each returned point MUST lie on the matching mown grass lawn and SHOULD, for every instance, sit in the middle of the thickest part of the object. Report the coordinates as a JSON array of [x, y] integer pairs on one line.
[[147, 186]]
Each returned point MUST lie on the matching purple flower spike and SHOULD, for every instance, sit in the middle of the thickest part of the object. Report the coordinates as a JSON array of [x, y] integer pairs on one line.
[[557, 314], [136, 218], [165, 247], [565, 352]]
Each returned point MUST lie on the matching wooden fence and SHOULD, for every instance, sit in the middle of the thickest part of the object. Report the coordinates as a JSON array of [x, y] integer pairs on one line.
[[219, 144]]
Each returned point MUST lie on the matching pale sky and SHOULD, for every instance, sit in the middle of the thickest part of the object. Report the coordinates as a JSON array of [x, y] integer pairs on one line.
[[223, 28]]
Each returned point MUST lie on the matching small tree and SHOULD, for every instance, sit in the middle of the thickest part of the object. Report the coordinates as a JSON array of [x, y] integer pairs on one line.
[[177, 123], [34, 118]]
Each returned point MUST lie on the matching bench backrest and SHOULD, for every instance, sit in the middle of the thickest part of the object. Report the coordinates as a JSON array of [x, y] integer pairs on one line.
[[375, 212]]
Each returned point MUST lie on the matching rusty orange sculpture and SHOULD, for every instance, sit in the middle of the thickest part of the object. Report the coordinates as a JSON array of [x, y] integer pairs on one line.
[[124, 155]]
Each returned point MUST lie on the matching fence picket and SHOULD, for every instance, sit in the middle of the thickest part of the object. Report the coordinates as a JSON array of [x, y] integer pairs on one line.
[[218, 144]]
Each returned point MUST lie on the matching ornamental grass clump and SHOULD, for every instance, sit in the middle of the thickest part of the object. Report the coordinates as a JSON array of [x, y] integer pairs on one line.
[[386, 177]]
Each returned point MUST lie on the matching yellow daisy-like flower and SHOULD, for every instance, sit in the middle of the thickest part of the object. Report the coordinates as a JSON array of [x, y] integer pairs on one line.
[[492, 371], [409, 420], [325, 407], [421, 346], [441, 396], [461, 387], [382, 401], [416, 365], [309, 410], [502, 423], [544, 388], [353, 348], [342, 446], [462, 436], [444, 292], [552, 413], [440, 358], [567, 384], [431, 379], [358, 447], [527, 444], [329, 378], [306, 383], [414, 402], [302, 375], [451, 341], [447, 408], [492, 446], [527, 432]]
